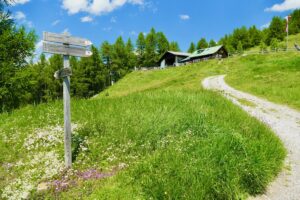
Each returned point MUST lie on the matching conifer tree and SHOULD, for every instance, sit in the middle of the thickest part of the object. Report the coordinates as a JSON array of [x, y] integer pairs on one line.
[[202, 44], [162, 43], [174, 46], [151, 56], [212, 43], [140, 48], [192, 48]]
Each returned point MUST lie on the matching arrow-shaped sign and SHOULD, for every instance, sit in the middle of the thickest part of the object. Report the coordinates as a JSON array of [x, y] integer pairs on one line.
[[65, 39], [65, 50]]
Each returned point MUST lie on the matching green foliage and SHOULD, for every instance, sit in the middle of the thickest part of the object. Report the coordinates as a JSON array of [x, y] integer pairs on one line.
[[276, 30], [162, 43], [177, 140], [294, 24], [140, 48], [151, 56], [16, 44], [202, 44], [90, 75], [240, 48], [212, 43], [274, 44], [192, 48], [252, 37], [174, 46], [255, 36], [241, 36], [263, 47], [131, 57]]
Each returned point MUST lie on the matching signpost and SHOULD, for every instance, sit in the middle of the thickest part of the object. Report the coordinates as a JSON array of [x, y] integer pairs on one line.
[[66, 45]]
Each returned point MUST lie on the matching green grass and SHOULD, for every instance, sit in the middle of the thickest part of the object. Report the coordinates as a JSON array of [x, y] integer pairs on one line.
[[274, 76], [173, 139], [293, 39]]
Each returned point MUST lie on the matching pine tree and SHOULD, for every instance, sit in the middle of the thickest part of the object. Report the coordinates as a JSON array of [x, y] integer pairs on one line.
[[202, 44], [151, 56], [276, 30], [119, 63], [174, 46], [192, 48], [294, 24], [241, 35], [255, 36], [131, 57], [140, 48], [106, 52], [162, 43], [212, 43]]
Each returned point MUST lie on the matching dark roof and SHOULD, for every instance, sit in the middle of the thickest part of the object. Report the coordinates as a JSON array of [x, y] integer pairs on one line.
[[183, 54]]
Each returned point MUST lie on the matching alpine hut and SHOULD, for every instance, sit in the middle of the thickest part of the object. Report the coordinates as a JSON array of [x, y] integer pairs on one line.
[[172, 58]]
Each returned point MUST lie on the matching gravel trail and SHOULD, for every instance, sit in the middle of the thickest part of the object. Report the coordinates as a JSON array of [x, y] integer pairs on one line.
[[284, 121]]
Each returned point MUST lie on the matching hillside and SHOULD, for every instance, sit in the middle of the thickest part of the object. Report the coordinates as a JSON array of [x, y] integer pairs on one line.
[[155, 134], [293, 39], [274, 76]]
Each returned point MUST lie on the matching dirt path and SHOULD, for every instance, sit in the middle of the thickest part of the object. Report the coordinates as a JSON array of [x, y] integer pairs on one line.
[[284, 121]]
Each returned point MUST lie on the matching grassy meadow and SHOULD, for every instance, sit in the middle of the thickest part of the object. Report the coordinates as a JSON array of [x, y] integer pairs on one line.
[[154, 135], [273, 76]]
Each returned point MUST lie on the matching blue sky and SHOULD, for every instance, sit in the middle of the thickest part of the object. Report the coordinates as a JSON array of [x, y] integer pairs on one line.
[[183, 21]]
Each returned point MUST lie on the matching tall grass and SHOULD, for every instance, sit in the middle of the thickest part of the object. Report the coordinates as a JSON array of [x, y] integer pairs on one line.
[[173, 139]]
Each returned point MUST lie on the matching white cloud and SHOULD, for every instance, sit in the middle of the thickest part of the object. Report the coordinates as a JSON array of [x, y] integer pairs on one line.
[[15, 2], [86, 19], [265, 26], [55, 22], [22, 19], [285, 6], [96, 7], [184, 17], [19, 15], [74, 7]]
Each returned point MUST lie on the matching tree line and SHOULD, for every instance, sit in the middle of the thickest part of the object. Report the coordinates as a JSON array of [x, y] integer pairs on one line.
[[24, 82], [244, 38]]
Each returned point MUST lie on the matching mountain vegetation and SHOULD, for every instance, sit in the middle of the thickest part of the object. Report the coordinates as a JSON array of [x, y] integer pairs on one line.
[[25, 82], [154, 135]]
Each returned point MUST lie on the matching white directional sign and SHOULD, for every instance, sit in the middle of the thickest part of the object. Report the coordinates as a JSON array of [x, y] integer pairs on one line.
[[65, 50], [65, 39]]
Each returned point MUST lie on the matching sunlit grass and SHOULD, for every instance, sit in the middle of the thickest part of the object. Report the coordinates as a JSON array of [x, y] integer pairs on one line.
[[173, 139]]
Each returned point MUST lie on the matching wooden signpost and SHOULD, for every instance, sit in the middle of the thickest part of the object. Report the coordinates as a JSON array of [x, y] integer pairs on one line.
[[66, 45]]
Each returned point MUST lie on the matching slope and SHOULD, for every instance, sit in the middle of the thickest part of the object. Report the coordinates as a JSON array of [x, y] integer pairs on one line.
[[155, 134]]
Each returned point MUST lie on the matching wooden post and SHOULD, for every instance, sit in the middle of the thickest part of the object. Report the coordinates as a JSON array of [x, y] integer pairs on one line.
[[64, 44], [67, 116]]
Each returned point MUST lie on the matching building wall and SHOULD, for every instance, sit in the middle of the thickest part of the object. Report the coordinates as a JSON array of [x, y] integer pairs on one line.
[[163, 64]]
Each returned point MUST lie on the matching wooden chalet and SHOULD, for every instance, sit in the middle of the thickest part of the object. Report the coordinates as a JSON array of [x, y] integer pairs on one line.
[[206, 54], [172, 58]]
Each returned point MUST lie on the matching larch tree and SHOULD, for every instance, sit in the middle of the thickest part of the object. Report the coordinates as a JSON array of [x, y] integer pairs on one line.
[[192, 48], [202, 44], [174, 46]]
